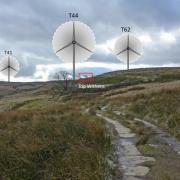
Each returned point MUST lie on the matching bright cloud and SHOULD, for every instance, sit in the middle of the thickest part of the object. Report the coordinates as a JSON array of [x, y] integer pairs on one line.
[[168, 37], [145, 39], [107, 46]]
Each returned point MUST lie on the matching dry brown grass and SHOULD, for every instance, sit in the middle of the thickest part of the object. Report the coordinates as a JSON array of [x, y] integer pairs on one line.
[[58, 142], [158, 103]]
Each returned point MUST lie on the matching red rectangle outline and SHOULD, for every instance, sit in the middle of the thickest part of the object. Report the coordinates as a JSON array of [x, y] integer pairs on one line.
[[87, 80]]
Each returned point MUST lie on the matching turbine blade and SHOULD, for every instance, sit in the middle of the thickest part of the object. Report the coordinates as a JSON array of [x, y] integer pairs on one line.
[[74, 30], [121, 52], [13, 68], [4, 69], [8, 61], [128, 41], [64, 47], [83, 47], [134, 51]]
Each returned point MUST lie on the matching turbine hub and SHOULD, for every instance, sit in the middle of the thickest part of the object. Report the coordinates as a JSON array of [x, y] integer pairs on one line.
[[73, 42]]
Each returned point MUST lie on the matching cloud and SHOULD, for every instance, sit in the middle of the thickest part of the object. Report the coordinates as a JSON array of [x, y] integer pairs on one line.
[[168, 37], [27, 27]]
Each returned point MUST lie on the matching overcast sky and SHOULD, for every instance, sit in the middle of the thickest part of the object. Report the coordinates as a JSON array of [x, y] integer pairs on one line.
[[27, 27]]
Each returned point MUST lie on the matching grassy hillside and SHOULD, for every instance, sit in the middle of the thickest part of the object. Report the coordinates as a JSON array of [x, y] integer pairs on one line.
[[157, 103], [49, 133], [161, 108], [55, 142], [46, 133], [137, 76]]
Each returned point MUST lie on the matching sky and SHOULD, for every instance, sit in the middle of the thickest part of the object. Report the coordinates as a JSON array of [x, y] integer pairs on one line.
[[27, 28]]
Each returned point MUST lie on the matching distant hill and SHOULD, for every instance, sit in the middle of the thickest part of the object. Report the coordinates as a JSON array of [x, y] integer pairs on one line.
[[115, 78], [135, 76]]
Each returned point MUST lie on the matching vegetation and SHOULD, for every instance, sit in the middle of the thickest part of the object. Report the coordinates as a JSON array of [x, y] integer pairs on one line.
[[166, 166], [138, 76], [161, 108], [49, 133], [58, 142]]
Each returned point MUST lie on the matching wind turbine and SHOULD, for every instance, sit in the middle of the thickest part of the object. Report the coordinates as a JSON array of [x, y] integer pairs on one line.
[[73, 42], [9, 66], [128, 49]]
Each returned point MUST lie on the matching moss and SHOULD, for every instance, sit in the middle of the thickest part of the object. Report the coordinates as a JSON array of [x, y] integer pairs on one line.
[[149, 149]]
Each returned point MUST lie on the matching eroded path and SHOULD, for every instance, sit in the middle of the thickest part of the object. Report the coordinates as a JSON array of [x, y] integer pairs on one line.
[[162, 135], [130, 159], [165, 137]]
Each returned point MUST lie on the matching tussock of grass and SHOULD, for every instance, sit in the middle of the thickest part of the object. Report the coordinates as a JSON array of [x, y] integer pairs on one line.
[[53, 143]]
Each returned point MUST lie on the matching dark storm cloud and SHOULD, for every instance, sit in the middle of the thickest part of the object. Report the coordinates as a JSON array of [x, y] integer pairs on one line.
[[27, 26]]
